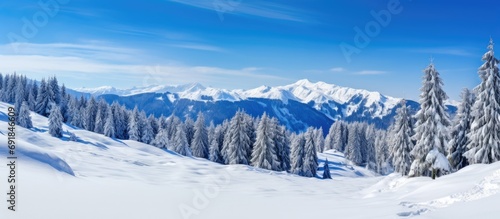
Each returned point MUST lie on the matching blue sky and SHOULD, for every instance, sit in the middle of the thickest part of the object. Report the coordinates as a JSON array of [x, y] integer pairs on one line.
[[245, 44]]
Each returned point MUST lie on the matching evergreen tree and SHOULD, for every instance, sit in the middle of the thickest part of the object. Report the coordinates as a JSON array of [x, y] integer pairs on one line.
[[282, 147], [484, 144], [65, 98], [326, 170], [180, 144], [199, 145], [101, 116], [310, 165], [90, 115], [298, 154], [20, 92], [382, 153], [24, 118], [133, 125], [319, 140], [264, 150], [43, 99], [216, 144], [401, 142], [109, 125], [161, 139], [460, 132], [147, 135], [237, 141], [353, 148], [432, 125], [154, 124], [189, 129], [55, 121], [337, 137]]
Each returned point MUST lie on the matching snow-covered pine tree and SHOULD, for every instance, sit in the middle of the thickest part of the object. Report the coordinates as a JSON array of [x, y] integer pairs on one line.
[[189, 129], [64, 103], [215, 154], [484, 144], [340, 136], [298, 154], [161, 139], [432, 125], [326, 170], [460, 132], [54, 91], [371, 162], [101, 116], [353, 147], [310, 164], [20, 93], [55, 121], [154, 124], [134, 132], [281, 140], [42, 100], [109, 125], [162, 122], [24, 118], [147, 133], [401, 143], [180, 144], [264, 150], [90, 114], [319, 140], [236, 141], [32, 96], [382, 153], [199, 145]]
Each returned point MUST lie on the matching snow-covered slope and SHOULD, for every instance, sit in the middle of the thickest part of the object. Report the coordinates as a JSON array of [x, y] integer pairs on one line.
[[98, 177]]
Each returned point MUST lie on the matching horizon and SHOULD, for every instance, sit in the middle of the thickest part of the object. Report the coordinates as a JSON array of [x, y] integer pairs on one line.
[[374, 46]]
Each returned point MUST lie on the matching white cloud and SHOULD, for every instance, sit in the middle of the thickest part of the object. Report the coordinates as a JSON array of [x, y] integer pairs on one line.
[[337, 69], [198, 47], [86, 61], [259, 9]]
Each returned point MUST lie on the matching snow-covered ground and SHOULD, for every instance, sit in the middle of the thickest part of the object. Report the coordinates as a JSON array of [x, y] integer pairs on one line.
[[98, 177]]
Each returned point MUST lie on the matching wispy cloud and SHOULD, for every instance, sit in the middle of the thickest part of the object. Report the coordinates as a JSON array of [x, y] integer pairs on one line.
[[370, 72], [337, 69], [198, 47], [444, 51], [64, 59], [263, 9]]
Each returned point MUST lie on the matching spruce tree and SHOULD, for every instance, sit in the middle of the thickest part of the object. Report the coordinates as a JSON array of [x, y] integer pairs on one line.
[[43, 99], [109, 125], [310, 164], [24, 118], [199, 145], [264, 151], [161, 139], [237, 141], [180, 144], [432, 125], [134, 132], [484, 144], [353, 148], [326, 170], [401, 142], [90, 115], [298, 154], [216, 144], [460, 132], [55, 121]]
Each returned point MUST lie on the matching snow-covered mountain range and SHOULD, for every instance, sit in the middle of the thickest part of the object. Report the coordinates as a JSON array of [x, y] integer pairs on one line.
[[298, 105], [303, 91]]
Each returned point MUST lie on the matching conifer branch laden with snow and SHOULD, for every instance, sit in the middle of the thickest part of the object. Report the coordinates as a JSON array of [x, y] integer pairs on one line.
[[431, 128], [401, 143]]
